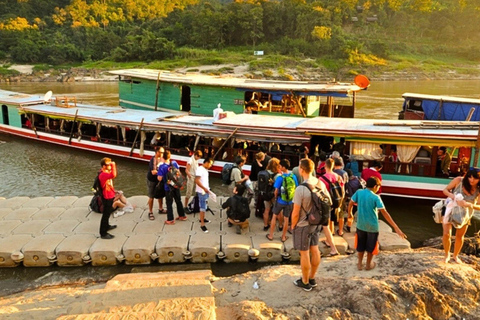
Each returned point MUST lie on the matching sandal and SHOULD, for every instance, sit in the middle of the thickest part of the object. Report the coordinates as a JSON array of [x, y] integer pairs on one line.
[[151, 216], [286, 238], [267, 235], [338, 233]]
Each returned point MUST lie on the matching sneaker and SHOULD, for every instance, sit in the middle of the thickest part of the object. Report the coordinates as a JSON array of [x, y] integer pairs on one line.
[[230, 224], [312, 282], [181, 218], [204, 229], [299, 283], [204, 220], [169, 221], [107, 236], [111, 227], [162, 211], [238, 230], [129, 208], [118, 213], [187, 211]]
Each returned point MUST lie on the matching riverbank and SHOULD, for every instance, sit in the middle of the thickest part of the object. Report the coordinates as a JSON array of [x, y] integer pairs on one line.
[[28, 73], [412, 284]]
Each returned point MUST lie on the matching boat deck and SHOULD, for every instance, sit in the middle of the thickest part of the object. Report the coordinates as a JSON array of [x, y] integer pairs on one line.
[[44, 231]]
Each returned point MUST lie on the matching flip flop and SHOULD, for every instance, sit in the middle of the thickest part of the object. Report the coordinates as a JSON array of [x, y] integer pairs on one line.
[[360, 268], [338, 234], [271, 239], [286, 238], [325, 243], [374, 264], [333, 254], [151, 216]]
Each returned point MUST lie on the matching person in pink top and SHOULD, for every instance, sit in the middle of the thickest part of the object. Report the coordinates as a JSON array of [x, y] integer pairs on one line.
[[373, 171]]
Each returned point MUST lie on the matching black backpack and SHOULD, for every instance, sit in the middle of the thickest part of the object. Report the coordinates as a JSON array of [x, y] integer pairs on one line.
[[320, 211], [336, 192], [240, 209], [175, 177], [194, 205], [265, 185], [96, 204], [226, 173]]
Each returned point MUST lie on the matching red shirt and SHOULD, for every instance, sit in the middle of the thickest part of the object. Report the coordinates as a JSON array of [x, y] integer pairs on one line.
[[369, 172], [107, 184], [330, 176]]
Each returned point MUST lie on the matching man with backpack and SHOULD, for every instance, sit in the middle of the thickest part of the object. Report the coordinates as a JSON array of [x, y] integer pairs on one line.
[[152, 181], [238, 209], [285, 186], [354, 183], [305, 235], [236, 175], [170, 173], [336, 189], [190, 170]]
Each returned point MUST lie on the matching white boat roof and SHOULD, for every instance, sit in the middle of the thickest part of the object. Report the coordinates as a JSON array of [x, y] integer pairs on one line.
[[163, 121], [440, 98], [19, 99], [236, 82], [407, 131]]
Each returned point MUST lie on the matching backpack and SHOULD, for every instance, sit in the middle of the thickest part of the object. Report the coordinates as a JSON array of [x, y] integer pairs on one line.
[[265, 185], [319, 213], [226, 173], [336, 192], [240, 209], [288, 187], [175, 177], [352, 186], [96, 204], [259, 206], [194, 205]]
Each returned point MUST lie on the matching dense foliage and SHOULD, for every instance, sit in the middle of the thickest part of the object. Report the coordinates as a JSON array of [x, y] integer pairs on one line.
[[358, 32]]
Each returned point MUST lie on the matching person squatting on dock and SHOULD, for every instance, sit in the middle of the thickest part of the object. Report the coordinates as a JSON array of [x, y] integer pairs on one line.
[[238, 210], [468, 187], [368, 204], [305, 236]]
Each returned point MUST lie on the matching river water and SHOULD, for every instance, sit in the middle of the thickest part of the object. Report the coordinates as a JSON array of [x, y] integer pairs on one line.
[[32, 169]]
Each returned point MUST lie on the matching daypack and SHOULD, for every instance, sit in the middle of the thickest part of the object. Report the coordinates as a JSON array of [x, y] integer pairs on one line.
[[194, 205], [352, 186], [96, 204], [259, 206], [240, 209], [265, 185], [319, 212], [288, 187], [226, 173], [336, 192], [175, 177]]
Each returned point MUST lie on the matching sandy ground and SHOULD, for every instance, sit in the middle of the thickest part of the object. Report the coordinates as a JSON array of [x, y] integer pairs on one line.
[[405, 285], [23, 69]]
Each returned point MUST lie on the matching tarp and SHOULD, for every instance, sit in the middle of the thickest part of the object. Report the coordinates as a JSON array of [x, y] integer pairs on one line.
[[451, 111]]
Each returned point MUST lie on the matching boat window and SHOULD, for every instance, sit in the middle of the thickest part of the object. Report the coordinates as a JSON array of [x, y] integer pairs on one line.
[[415, 105]]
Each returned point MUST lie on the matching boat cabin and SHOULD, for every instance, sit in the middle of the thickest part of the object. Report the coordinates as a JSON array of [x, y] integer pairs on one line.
[[441, 108], [199, 94]]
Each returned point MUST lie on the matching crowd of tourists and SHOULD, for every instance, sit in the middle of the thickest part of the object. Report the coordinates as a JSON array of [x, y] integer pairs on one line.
[[285, 198]]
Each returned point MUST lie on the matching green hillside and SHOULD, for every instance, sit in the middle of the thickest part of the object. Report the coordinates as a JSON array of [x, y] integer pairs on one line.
[[345, 36]]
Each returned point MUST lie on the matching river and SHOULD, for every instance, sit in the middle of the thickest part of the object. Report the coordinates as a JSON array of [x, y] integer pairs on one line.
[[34, 169]]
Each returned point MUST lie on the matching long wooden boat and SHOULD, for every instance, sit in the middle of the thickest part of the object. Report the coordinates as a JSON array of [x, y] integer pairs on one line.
[[133, 134], [199, 94]]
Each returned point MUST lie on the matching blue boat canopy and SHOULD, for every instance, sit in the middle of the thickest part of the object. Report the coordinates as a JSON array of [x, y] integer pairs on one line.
[[442, 107]]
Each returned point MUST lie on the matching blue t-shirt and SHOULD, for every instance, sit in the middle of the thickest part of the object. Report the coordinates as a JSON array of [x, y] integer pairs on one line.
[[278, 185], [163, 170], [367, 205]]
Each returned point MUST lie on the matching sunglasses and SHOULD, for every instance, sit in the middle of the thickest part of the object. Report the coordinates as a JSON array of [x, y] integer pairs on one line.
[[477, 170]]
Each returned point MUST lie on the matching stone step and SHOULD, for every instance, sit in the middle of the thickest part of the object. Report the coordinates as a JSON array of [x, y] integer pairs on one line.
[[166, 295]]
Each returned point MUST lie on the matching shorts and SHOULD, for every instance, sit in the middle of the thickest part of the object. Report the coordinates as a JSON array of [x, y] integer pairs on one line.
[[340, 214], [190, 192], [366, 241], [268, 204], [287, 209], [151, 188], [305, 237], [202, 200]]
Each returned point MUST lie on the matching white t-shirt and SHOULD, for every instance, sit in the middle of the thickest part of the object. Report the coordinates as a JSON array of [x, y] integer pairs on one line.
[[193, 165], [203, 174]]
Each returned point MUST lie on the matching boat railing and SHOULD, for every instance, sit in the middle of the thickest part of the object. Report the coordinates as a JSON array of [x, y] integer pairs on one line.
[[402, 168], [66, 102]]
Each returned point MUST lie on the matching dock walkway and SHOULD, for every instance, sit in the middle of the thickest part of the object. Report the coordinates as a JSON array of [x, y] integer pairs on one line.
[[43, 231]]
